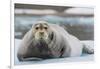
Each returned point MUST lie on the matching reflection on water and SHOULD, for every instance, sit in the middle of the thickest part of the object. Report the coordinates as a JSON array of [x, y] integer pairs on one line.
[[81, 27]]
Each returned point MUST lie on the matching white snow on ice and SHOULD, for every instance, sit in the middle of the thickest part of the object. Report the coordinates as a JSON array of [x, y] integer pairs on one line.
[[88, 11], [84, 57]]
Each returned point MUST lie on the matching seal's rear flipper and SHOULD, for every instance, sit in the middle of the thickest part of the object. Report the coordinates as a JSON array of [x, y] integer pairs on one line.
[[88, 49]]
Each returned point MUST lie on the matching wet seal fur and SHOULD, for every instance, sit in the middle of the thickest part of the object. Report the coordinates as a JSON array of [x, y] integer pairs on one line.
[[44, 41]]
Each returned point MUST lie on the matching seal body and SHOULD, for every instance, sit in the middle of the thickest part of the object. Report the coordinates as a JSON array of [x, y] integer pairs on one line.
[[45, 41]]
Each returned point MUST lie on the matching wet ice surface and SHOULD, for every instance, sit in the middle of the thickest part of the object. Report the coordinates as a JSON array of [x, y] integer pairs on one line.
[[84, 57]]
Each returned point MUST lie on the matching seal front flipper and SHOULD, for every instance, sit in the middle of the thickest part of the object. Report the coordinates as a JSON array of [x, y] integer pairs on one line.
[[21, 58]]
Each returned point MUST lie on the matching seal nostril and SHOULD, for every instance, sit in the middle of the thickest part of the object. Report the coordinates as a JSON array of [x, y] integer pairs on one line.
[[41, 33]]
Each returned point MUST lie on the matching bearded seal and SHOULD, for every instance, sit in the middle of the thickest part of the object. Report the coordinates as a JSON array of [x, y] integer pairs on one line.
[[45, 40]]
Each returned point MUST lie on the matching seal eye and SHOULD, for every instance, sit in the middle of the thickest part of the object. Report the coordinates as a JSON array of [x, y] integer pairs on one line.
[[45, 28], [37, 28]]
